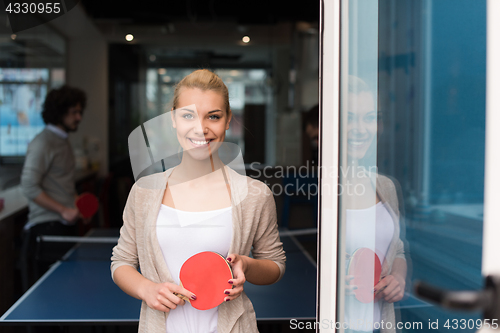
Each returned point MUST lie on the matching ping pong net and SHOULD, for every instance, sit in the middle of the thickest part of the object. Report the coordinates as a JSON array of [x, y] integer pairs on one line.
[[97, 244]]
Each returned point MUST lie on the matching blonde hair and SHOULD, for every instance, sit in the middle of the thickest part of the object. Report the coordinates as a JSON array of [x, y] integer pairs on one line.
[[205, 80], [357, 85]]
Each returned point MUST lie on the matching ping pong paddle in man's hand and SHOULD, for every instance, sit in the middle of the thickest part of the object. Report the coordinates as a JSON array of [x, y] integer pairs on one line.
[[365, 269], [87, 204], [206, 274]]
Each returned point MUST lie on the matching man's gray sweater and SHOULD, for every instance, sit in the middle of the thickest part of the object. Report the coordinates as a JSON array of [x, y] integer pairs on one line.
[[49, 167]]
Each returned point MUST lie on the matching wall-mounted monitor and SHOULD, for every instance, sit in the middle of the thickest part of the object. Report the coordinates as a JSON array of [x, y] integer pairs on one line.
[[22, 93]]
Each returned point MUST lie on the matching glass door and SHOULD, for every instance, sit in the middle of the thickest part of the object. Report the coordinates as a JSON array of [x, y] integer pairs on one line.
[[403, 142]]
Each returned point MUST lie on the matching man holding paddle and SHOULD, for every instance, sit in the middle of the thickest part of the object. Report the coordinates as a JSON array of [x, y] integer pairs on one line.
[[47, 178]]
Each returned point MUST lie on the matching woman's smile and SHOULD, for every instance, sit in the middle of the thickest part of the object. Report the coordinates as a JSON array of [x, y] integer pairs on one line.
[[359, 143], [200, 142]]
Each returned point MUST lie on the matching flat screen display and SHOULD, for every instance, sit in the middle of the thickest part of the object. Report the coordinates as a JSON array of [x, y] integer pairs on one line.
[[22, 93]]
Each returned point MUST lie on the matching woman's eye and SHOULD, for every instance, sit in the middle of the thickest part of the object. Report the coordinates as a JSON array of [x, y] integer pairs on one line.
[[214, 117], [187, 116], [371, 118]]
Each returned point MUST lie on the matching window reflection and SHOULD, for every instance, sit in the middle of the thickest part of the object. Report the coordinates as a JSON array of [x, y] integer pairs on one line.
[[375, 261], [413, 145]]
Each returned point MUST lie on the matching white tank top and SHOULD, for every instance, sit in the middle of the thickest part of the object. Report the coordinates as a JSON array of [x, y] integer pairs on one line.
[[372, 228], [182, 234]]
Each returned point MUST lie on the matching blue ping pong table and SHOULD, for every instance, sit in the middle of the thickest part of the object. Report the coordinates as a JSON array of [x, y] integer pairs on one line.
[[79, 290]]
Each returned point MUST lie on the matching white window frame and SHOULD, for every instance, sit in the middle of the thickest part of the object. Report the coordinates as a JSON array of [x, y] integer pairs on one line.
[[329, 158]]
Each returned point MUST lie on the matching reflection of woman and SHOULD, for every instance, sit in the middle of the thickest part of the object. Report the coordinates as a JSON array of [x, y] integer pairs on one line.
[[195, 210], [372, 216]]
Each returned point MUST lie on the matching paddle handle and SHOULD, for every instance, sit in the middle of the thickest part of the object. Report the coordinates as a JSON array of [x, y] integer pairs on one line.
[[182, 296]]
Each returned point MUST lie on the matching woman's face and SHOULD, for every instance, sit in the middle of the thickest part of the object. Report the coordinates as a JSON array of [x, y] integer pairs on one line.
[[361, 124], [201, 120]]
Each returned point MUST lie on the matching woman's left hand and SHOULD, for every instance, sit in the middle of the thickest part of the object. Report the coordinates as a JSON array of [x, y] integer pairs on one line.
[[239, 265], [391, 288]]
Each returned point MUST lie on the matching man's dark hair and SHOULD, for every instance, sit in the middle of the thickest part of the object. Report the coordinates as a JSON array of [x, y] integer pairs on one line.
[[311, 118], [58, 101]]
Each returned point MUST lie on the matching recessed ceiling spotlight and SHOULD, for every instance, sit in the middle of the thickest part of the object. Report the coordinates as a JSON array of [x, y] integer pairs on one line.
[[129, 37], [246, 39], [13, 36], [162, 71]]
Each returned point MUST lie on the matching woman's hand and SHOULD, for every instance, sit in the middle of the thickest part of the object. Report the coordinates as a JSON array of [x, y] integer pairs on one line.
[[160, 296], [391, 288], [349, 288], [239, 266]]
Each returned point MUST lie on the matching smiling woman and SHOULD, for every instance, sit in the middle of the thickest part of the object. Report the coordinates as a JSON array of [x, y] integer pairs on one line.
[[204, 112], [203, 122], [361, 118], [375, 275], [200, 124], [201, 205]]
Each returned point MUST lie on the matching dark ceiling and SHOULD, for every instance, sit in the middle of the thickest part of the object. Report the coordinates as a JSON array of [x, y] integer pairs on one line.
[[166, 11]]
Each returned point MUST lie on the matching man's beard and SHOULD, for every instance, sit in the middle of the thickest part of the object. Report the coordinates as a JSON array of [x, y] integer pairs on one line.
[[68, 129]]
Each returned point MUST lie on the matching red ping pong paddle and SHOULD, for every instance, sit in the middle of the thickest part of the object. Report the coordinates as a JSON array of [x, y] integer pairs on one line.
[[206, 274], [87, 204], [365, 267]]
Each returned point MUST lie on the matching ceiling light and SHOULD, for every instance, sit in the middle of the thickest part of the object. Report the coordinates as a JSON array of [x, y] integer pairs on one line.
[[13, 36], [246, 39], [129, 37], [152, 57], [162, 71]]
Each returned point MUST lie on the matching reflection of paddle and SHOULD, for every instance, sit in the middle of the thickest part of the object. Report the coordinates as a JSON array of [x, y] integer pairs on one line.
[[206, 274], [365, 268], [87, 204]]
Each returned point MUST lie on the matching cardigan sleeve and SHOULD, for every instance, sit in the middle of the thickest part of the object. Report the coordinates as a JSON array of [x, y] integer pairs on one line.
[[389, 190], [400, 250], [267, 243], [398, 206], [125, 252]]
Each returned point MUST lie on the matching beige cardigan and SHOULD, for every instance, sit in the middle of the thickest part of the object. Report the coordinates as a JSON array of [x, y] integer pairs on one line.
[[387, 192], [254, 225]]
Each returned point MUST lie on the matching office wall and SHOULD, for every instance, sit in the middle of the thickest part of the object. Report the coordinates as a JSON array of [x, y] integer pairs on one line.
[[87, 69]]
